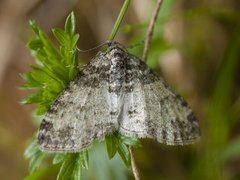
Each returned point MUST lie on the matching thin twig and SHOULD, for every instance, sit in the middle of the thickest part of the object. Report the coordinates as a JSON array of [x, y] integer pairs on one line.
[[150, 30], [133, 164]]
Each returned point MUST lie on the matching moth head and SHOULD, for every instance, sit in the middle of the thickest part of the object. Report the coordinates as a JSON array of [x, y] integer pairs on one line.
[[116, 50]]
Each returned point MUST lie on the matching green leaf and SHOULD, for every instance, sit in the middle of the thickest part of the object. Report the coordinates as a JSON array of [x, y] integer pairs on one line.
[[33, 98], [31, 149], [36, 156], [30, 81], [34, 176], [125, 154], [70, 24], [35, 44], [34, 27], [112, 145], [58, 158], [50, 52], [75, 39], [71, 167], [62, 37], [118, 143], [84, 159], [41, 109], [73, 70], [36, 161], [39, 75], [131, 141]]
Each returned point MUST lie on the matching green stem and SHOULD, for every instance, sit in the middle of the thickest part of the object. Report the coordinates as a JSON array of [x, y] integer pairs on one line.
[[119, 20]]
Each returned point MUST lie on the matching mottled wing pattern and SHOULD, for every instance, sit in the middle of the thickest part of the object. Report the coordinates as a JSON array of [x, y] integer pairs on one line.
[[80, 114], [152, 109], [116, 91]]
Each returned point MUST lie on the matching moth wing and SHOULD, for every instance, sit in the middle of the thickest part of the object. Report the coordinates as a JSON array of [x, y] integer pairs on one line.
[[151, 109], [80, 114]]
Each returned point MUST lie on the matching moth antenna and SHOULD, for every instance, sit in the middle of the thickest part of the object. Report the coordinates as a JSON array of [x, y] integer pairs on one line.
[[112, 44], [94, 48], [135, 45]]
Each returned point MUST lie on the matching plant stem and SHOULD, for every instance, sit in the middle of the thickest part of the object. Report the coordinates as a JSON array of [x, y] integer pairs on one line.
[[119, 20], [133, 164], [150, 30], [110, 38]]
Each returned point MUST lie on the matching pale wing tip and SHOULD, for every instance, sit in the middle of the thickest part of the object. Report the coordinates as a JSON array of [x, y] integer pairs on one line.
[[60, 149], [181, 142], [160, 139]]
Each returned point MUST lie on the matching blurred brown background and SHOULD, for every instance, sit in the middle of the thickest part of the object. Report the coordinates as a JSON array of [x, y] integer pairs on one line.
[[202, 63]]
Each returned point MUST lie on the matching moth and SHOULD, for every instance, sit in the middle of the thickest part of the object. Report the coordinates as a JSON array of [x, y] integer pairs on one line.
[[116, 91]]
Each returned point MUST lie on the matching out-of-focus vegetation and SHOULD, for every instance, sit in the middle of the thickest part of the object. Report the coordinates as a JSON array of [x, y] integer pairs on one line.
[[195, 47]]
